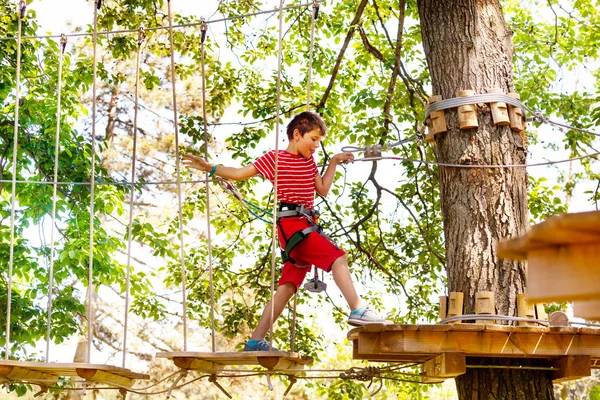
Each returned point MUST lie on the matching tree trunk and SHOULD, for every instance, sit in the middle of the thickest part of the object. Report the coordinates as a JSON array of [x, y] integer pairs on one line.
[[468, 46]]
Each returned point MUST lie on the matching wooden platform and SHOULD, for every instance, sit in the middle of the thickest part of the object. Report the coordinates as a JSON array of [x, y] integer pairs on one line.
[[443, 348], [562, 254], [45, 374], [212, 362]]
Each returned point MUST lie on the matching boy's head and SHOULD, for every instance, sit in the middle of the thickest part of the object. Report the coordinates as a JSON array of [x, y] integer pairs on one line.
[[305, 122]]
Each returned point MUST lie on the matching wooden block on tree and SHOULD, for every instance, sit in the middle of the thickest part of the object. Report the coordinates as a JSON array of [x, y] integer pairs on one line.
[[516, 117], [485, 304], [540, 312], [437, 118], [587, 309], [499, 110], [571, 368], [525, 309], [467, 114], [443, 366], [443, 307], [455, 306]]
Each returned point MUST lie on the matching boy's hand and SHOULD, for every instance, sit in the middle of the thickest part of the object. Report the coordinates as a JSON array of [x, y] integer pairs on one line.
[[343, 158], [192, 161]]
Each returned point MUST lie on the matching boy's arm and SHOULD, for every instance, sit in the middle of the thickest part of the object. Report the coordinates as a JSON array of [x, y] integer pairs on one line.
[[237, 174], [323, 183]]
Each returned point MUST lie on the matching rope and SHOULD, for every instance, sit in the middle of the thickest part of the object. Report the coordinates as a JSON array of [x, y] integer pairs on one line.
[[155, 28], [275, 178], [204, 28], [315, 15], [141, 37], [90, 313], [471, 317], [22, 6], [178, 168], [63, 43]]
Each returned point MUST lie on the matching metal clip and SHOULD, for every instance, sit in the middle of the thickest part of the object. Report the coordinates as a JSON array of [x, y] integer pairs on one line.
[[316, 9], [63, 42], [203, 29], [141, 35], [373, 152], [22, 8]]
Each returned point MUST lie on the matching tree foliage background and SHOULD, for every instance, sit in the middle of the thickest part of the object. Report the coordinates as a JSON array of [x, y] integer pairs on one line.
[[370, 83]]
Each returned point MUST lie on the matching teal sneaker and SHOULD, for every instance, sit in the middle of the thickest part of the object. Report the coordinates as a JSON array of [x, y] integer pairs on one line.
[[259, 345]]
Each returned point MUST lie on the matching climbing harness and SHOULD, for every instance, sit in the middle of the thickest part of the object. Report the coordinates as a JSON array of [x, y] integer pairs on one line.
[[288, 210]]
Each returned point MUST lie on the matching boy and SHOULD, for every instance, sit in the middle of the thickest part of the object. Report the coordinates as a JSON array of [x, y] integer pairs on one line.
[[297, 181]]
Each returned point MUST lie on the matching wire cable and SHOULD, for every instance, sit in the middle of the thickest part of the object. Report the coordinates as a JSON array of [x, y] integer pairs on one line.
[[61, 52], [141, 37], [155, 28]]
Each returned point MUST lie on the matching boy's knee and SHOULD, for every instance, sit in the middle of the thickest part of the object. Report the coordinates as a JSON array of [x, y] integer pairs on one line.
[[341, 260], [288, 289]]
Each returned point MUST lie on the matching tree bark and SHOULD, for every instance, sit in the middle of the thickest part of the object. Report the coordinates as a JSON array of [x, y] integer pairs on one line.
[[468, 46]]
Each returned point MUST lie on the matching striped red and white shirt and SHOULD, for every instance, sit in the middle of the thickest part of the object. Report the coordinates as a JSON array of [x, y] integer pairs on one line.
[[295, 176]]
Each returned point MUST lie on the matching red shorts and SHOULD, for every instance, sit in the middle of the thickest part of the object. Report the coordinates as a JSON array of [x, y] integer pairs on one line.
[[315, 250]]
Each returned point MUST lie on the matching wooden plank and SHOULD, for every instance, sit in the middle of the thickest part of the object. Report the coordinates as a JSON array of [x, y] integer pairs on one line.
[[571, 368], [445, 365], [521, 342], [564, 273], [71, 369], [587, 309], [216, 361]]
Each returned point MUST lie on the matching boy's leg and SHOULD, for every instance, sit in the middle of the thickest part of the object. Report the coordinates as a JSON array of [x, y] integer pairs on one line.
[[343, 280], [283, 294], [359, 315]]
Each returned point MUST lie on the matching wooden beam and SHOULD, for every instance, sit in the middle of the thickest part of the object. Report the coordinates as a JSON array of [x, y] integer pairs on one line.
[[443, 366], [96, 375], [571, 368], [564, 273], [197, 364], [27, 374]]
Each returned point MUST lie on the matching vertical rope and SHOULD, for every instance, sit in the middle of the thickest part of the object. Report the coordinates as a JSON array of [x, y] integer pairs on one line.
[[204, 28], [141, 37], [63, 44], [22, 6], [315, 14], [275, 178], [90, 306], [178, 172]]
